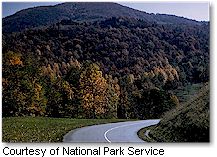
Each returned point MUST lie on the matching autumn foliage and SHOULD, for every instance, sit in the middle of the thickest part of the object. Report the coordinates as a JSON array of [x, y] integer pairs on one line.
[[114, 68], [93, 88]]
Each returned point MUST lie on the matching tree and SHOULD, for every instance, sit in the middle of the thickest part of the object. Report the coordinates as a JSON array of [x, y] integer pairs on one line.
[[23, 93], [127, 108], [155, 102], [113, 93], [60, 97], [93, 88]]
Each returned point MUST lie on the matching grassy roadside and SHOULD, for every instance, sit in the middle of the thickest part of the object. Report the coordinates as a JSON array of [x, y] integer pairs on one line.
[[43, 129], [184, 94], [142, 133], [187, 123]]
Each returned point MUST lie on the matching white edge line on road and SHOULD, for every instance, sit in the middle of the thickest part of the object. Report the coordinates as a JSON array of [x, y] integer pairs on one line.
[[105, 134]]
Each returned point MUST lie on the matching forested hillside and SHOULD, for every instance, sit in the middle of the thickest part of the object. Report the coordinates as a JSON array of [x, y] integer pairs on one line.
[[115, 67]]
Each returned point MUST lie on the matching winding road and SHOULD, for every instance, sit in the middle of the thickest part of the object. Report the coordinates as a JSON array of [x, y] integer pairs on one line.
[[111, 132]]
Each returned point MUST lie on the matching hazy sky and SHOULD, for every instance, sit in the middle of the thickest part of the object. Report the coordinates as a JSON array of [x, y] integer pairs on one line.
[[198, 11], [9, 8]]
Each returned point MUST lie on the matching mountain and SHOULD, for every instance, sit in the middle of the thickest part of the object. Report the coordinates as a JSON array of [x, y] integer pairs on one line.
[[86, 11], [82, 62]]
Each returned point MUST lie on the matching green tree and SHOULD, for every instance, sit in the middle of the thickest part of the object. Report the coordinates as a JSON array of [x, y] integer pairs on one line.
[[23, 93], [60, 97], [113, 93]]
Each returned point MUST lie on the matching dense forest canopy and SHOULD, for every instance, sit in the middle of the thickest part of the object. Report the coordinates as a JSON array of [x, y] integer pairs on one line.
[[115, 67]]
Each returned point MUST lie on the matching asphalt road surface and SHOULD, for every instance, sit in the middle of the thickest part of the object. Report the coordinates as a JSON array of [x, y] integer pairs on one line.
[[111, 132]]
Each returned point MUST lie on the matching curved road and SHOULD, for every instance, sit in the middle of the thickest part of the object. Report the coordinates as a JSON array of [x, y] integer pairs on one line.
[[111, 132]]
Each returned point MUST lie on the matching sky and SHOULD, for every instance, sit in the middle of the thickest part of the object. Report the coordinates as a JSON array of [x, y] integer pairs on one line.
[[9, 8], [198, 11]]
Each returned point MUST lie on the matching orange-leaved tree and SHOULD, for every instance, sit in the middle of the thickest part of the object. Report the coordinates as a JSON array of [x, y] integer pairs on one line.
[[93, 90]]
